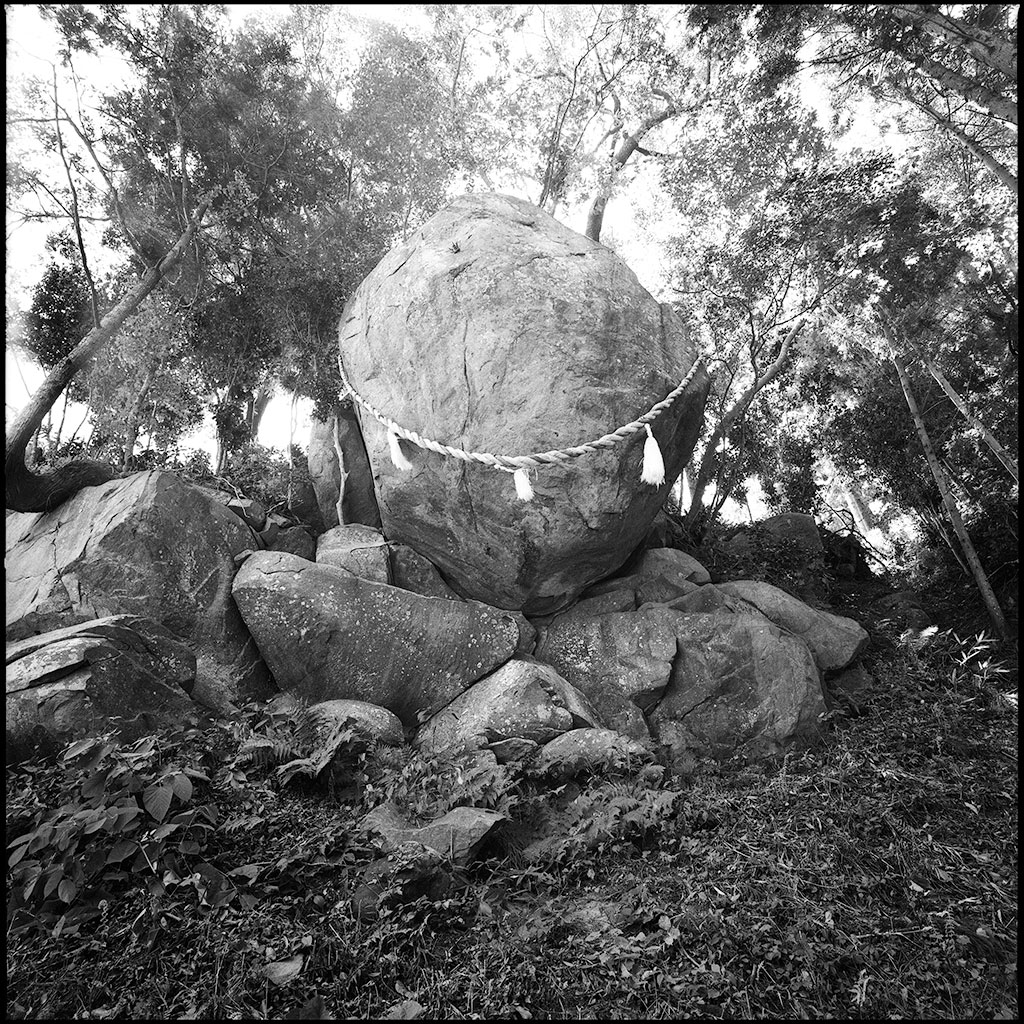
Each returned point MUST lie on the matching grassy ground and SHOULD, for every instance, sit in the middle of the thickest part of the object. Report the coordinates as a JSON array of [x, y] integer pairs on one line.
[[873, 878]]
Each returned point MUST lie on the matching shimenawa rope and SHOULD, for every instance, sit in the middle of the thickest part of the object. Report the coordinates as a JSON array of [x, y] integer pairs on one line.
[[652, 473]]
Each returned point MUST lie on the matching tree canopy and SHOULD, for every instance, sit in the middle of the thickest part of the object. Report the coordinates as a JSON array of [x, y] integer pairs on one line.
[[829, 190]]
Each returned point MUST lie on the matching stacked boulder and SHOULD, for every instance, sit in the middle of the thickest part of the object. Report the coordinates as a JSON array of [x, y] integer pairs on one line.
[[657, 657], [471, 620]]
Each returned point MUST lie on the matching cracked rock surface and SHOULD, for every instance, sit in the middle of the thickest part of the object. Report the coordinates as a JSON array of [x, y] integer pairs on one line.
[[71, 682], [522, 337], [620, 661], [148, 545], [739, 682]]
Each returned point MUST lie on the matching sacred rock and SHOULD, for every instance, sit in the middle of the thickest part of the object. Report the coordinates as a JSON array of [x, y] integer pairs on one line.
[[497, 329]]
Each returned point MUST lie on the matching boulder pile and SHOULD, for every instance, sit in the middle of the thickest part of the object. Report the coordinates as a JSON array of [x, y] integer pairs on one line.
[[470, 624]]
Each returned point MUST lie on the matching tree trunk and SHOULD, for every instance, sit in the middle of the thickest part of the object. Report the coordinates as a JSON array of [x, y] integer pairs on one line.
[[628, 146], [952, 81], [131, 425], [259, 407], [952, 512], [34, 492], [1002, 173], [342, 475], [862, 517], [985, 47], [291, 449], [696, 511], [953, 395]]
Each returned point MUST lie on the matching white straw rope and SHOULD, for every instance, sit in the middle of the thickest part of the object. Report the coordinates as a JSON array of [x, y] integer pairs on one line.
[[510, 463]]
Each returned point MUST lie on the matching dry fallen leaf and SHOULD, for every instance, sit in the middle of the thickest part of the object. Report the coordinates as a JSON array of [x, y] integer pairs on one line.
[[408, 1009], [283, 971]]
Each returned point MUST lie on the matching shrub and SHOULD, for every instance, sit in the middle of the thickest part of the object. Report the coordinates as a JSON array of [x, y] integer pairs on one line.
[[112, 813]]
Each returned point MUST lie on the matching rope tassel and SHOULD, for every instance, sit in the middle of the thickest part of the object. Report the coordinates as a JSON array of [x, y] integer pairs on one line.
[[397, 456], [653, 471], [523, 488]]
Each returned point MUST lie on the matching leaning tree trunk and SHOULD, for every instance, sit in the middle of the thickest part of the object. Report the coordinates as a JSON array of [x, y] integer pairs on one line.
[[27, 491], [1007, 460], [952, 512]]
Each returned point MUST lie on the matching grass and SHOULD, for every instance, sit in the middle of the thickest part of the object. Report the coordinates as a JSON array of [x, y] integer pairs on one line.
[[872, 878]]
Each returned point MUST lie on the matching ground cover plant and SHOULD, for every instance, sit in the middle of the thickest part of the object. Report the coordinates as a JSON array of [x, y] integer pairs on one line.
[[189, 876]]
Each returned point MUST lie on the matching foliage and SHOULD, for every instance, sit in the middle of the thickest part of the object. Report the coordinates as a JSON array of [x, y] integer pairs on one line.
[[299, 742], [875, 876], [60, 314], [265, 474], [110, 825], [146, 385]]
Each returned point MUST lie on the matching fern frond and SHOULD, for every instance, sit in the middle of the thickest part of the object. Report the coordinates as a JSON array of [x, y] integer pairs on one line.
[[265, 751]]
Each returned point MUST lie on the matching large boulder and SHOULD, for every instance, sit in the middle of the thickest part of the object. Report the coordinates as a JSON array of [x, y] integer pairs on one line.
[[620, 661], [148, 545], [834, 640], [339, 470], [739, 685], [328, 635], [498, 329], [798, 528], [120, 671], [523, 699]]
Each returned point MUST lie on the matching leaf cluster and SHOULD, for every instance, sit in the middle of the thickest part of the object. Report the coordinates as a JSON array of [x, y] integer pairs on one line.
[[112, 825]]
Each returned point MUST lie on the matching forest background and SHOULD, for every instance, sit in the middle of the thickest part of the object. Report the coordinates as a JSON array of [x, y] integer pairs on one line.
[[826, 194]]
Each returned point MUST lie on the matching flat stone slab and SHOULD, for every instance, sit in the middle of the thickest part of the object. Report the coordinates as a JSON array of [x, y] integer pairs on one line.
[[120, 671], [327, 634]]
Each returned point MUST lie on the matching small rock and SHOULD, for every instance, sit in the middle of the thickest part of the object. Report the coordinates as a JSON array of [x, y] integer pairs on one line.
[[296, 540], [671, 563], [523, 699], [592, 751], [371, 720], [360, 550], [457, 835], [515, 748]]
